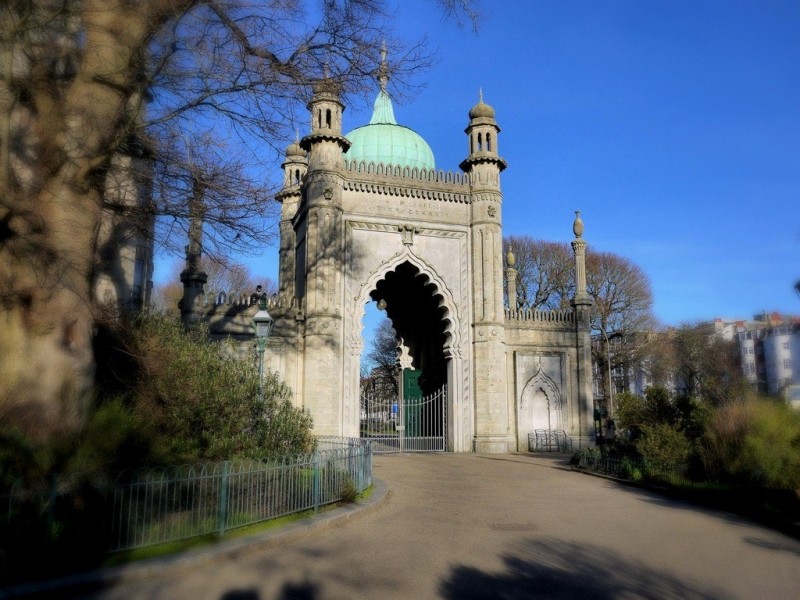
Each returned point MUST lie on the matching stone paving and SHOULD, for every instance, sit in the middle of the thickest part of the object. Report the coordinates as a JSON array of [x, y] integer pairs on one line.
[[466, 526]]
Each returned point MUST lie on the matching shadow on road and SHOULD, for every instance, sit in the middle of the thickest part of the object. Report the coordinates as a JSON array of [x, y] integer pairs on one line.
[[291, 591], [771, 545], [562, 570]]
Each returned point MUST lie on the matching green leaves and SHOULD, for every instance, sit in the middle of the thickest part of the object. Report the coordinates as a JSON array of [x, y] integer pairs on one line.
[[201, 398]]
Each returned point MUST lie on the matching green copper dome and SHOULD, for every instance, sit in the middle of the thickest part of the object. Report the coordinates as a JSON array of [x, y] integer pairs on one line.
[[384, 141]]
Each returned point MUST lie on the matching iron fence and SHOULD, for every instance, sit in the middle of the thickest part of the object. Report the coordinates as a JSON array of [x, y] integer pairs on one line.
[[635, 469], [157, 506]]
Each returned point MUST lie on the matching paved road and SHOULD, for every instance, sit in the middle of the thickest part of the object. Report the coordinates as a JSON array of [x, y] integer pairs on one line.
[[511, 526]]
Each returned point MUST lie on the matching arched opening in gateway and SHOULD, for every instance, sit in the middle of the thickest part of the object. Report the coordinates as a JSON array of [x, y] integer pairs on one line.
[[413, 304]]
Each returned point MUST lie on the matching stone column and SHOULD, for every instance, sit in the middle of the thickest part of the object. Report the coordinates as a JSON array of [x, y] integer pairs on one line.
[[511, 279], [193, 277], [582, 414]]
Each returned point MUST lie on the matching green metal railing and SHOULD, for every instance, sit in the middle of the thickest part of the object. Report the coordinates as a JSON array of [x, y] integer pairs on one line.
[[157, 506], [635, 469]]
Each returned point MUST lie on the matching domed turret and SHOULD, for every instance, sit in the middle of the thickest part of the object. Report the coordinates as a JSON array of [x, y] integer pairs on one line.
[[482, 133], [294, 150], [295, 166], [481, 110], [385, 142], [325, 142]]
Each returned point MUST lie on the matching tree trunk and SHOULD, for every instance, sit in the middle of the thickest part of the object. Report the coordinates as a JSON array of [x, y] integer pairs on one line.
[[46, 348], [50, 217]]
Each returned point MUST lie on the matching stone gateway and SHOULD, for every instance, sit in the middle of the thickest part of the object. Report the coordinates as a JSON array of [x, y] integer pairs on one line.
[[367, 217]]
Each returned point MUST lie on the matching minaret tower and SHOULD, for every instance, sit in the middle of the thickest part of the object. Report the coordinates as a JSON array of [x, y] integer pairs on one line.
[[294, 169], [493, 418], [319, 261]]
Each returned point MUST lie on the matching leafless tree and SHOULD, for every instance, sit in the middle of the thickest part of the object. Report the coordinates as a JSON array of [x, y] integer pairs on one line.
[[84, 81], [383, 349], [622, 318], [380, 379], [545, 272], [706, 366]]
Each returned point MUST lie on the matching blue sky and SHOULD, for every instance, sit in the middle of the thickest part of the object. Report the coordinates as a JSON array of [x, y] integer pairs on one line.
[[673, 126]]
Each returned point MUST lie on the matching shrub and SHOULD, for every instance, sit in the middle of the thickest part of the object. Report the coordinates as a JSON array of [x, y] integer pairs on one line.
[[630, 410], [755, 443], [348, 491], [165, 395], [198, 399], [655, 407], [630, 470], [664, 445], [660, 407], [693, 416], [587, 457]]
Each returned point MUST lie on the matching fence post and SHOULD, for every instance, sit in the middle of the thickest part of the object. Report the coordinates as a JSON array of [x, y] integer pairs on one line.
[[223, 500], [351, 449], [368, 465], [316, 484]]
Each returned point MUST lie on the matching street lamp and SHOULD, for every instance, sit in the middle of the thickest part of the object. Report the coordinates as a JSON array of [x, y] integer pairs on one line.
[[262, 324]]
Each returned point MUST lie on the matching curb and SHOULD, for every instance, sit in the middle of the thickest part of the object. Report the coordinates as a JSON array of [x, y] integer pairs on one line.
[[206, 554]]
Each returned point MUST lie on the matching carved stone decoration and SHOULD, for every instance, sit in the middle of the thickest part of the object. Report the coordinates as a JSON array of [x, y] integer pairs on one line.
[[407, 233], [542, 397], [492, 210], [542, 383], [404, 358]]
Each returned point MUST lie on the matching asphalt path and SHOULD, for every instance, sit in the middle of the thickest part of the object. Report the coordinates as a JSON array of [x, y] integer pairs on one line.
[[466, 526]]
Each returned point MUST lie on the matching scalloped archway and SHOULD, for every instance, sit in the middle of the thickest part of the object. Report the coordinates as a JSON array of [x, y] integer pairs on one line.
[[424, 314]]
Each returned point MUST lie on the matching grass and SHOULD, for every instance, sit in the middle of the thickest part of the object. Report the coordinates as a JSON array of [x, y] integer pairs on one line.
[[181, 546]]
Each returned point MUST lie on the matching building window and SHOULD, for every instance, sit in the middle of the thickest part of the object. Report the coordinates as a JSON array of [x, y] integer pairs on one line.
[[785, 345], [787, 363]]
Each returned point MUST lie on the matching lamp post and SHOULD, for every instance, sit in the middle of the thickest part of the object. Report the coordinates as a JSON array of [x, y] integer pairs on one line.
[[262, 324]]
